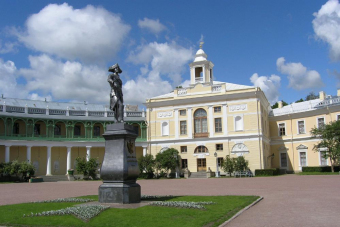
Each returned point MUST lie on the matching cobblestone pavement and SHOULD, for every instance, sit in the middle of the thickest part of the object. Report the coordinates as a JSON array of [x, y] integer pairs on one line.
[[289, 200]]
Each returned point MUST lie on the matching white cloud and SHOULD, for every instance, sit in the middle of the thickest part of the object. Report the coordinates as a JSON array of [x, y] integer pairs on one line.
[[299, 77], [70, 80], [7, 47], [157, 60], [8, 84], [89, 34], [326, 26], [153, 26], [269, 85]]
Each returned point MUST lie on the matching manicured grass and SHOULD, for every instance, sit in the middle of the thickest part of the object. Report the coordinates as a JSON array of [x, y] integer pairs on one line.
[[223, 209], [318, 173]]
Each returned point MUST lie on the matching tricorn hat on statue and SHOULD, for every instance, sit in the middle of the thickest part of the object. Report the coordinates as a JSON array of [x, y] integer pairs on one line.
[[112, 68]]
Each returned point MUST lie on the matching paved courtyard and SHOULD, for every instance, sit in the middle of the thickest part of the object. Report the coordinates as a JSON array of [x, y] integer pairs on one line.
[[289, 200]]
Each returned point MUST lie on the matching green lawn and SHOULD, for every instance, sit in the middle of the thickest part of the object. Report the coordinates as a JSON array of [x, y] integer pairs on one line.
[[223, 209], [318, 173]]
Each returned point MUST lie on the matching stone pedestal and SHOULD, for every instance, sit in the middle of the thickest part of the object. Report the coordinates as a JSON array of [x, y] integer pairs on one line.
[[119, 170]]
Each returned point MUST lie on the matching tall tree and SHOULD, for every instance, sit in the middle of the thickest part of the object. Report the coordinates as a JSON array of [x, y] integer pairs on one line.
[[329, 136], [166, 160], [311, 96]]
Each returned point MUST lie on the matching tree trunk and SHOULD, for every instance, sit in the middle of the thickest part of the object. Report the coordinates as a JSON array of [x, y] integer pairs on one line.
[[332, 167]]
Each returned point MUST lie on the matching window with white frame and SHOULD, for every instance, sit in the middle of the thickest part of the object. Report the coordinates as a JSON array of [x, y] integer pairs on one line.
[[183, 125], [303, 158], [338, 117], [321, 122], [301, 127], [323, 160], [283, 160], [238, 123], [282, 129], [165, 128], [218, 125]]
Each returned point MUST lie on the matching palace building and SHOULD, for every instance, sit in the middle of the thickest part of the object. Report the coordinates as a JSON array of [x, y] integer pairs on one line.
[[209, 120], [205, 122], [52, 135]]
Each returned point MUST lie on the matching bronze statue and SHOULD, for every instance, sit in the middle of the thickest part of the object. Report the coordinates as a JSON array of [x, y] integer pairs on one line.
[[116, 94]]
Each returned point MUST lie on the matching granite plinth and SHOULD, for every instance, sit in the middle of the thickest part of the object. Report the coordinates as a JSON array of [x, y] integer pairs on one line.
[[119, 170], [119, 193]]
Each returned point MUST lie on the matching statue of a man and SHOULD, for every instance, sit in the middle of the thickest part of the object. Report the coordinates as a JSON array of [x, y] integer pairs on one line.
[[116, 94]]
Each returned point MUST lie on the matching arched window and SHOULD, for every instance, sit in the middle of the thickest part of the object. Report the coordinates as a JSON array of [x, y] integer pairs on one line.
[[238, 123], [200, 122], [201, 149]]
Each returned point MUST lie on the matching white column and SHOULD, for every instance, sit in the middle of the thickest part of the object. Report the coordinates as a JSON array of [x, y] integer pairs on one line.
[[211, 121], [189, 117], [49, 160], [68, 159], [176, 124], [225, 119], [144, 151], [28, 154], [7, 153], [204, 74], [88, 153]]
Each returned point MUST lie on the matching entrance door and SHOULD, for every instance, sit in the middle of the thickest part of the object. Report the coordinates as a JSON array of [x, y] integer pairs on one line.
[[201, 164]]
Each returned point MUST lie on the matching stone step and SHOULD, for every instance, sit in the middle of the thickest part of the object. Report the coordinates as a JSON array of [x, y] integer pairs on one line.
[[54, 178], [198, 175]]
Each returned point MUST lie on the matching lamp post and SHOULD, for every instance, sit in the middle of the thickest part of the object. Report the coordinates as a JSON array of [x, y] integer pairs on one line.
[[176, 157], [217, 172]]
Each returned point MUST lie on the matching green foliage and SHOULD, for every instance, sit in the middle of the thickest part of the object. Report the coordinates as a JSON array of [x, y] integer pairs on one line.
[[241, 164], [87, 168], [267, 172], [330, 139], [229, 165], [15, 167], [300, 100], [166, 160], [146, 166], [26, 168], [276, 105], [311, 96], [320, 169]]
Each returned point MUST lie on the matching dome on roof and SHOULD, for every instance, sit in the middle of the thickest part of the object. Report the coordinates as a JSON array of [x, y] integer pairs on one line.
[[200, 56], [200, 51]]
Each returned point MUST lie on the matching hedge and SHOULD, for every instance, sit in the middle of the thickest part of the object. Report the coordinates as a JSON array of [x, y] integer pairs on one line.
[[320, 169], [267, 172]]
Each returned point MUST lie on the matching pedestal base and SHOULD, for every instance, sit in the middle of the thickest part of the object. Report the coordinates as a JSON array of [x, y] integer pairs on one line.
[[119, 193]]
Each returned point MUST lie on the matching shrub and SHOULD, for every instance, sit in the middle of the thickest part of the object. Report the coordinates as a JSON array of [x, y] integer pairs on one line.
[[146, 166], [166, 159], [320, 169], [26, 168], [241, 164], [15, 167], [228, 165], [87, 168], [267, 172]]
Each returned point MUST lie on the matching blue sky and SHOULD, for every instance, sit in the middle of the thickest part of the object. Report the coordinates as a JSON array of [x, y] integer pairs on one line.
[[61, 50]]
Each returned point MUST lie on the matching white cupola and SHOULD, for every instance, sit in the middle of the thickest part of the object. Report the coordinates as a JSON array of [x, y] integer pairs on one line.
[[201, 70]]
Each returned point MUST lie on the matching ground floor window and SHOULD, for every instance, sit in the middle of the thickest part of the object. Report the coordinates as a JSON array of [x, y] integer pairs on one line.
[[220, 162], [303, 158], [184, 163], [323, 160], [283, 160]]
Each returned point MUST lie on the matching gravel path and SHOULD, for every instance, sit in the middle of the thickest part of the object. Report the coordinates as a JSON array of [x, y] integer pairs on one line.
[[289, 200]]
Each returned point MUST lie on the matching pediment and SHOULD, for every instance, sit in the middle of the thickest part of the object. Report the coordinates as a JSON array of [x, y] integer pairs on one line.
[[301, 146]]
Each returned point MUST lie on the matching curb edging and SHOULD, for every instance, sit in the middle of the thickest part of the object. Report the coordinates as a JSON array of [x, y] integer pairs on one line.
[[240, 212]]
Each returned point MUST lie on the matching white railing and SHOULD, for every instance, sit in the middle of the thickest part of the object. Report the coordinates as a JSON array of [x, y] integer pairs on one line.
[[182, 92], [16, 109], [216, 88], [57, 112], [36, 111], [199, 79]]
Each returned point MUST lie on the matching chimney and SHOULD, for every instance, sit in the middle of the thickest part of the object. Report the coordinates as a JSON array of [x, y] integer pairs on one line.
[[322, 95], [280, 104], [338, 93]]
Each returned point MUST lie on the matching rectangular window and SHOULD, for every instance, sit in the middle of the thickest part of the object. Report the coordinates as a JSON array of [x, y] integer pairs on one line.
[[184, 163], [184, 149], [57, 130], [77, 130], [303, 159], [217, 109], [338, 117], [323, 160], [219, 147], [183, 127], [37, 129], [283, 159], [282, 129], [218, 125], [301, 127], [220, 162], [16, 128], [182, 112], [96, 130], [321, 122]]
